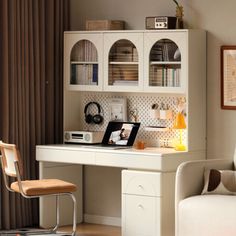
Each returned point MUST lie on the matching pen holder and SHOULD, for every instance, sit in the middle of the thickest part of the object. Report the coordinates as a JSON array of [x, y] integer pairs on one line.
[[154, 113], [165, 114]]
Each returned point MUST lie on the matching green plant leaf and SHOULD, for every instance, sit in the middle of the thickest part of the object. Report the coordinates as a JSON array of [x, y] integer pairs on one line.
[[176, 2]]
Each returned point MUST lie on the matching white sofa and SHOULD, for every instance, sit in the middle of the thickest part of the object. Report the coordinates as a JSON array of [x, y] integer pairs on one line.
[[203, 215]]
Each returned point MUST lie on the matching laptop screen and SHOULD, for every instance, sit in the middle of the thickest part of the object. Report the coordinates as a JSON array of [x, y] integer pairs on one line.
[[120, 133]]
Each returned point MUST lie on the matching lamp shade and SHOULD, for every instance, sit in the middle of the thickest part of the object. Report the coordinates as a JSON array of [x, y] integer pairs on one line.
[[179, 121]]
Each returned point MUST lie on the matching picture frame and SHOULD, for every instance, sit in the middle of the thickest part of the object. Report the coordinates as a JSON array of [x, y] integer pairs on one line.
[[228, 77]]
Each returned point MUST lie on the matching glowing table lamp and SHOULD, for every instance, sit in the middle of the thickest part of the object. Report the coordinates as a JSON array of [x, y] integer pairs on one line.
[[180, 124]]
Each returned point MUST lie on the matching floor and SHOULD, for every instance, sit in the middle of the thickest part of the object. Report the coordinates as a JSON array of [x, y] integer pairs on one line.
[[86, 229], [83, 229]]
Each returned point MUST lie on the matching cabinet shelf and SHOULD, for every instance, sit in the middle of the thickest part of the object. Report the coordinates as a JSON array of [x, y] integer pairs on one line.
[[123, 63], [165, 63], [157, 128], [83, 62]]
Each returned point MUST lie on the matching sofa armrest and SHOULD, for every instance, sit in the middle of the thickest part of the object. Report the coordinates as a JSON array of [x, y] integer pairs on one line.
[[190, 176]]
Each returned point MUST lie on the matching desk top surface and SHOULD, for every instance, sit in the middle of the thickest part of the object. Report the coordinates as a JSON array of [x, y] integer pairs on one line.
[[90, 148], [150, 158]]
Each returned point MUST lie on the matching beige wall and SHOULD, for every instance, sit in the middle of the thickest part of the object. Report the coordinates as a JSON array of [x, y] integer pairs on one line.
[[216, 17]]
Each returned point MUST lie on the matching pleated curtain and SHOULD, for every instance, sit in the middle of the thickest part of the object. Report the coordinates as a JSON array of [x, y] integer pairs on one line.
[[31, 91]]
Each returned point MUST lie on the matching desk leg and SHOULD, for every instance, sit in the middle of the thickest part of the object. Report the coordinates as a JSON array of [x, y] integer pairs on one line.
[[47, 205]]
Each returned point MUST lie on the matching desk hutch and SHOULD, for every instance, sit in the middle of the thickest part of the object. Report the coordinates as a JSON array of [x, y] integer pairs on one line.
[[145, 67]]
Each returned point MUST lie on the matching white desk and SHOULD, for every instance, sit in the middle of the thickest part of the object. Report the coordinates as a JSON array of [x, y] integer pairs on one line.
[[147, 185]]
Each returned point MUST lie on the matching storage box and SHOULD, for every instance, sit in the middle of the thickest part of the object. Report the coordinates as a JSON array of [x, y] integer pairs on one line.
[[105, 25]]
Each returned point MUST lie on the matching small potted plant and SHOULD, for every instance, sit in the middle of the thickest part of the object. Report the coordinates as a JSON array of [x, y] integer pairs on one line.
[[179, 15]]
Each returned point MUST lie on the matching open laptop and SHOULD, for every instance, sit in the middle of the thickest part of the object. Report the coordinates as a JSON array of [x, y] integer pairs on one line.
[[119, 134]]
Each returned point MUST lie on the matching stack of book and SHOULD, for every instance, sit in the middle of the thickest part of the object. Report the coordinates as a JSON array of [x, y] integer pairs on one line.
[[84, 74], [165, 77], [125, 74], [164, 50], [123, 51], [84, 50]]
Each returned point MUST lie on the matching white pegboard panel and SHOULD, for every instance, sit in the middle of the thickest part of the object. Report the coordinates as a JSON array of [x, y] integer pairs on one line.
[[142, 104]]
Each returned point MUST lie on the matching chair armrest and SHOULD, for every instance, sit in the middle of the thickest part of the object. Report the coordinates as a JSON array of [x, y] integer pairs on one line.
[[190, 176]]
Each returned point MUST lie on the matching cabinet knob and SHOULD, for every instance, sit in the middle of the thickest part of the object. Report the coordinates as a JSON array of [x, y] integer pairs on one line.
[[140, 206], [140, 186]]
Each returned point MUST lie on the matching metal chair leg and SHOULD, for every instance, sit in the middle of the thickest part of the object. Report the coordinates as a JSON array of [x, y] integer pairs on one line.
[[32, 232], [74, 215], [57, 214], [73, 233]]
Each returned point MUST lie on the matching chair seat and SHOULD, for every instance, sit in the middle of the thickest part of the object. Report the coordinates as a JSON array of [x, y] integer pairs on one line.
[[44, 187]]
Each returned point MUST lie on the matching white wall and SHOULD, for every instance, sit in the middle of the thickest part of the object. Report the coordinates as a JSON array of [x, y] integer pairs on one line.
[[216, 17]]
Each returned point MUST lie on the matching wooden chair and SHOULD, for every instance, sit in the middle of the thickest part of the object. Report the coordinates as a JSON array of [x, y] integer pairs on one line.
[[12, 167]]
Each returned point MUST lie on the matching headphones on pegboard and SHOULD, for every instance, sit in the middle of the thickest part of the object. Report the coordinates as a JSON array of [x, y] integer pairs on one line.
[[89, 118]]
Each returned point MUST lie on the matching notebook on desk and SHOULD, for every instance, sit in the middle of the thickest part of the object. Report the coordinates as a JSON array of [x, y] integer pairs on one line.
[[119, 134]]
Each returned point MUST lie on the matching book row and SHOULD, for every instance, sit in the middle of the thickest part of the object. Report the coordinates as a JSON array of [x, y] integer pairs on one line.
[[84, 74], [165, 77], [84, 51]]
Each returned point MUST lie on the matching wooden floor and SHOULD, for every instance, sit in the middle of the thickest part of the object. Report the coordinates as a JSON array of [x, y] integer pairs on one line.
[[86, 229]]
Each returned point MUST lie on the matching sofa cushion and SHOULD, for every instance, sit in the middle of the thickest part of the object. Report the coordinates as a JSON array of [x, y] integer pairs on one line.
[[219, 182], [207, 215]]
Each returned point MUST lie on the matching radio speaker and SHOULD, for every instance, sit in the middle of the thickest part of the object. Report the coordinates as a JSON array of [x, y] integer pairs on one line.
[[161, 22]]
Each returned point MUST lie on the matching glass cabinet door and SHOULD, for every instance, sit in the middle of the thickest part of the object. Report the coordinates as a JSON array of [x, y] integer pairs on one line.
[[84, 70], [122, 62], [165, 67]]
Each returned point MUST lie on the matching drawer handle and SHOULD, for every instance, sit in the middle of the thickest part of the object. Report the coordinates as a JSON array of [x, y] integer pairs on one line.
[[140, 206], [140, 186]]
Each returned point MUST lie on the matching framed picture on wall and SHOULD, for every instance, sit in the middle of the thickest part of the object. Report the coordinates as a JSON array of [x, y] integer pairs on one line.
[[228, 77]]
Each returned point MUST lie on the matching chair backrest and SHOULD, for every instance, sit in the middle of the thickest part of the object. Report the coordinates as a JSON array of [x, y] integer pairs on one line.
[[10, 155], [235, 158]]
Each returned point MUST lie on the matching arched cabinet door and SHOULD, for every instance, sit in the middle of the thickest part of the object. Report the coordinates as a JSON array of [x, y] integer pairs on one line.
[[165, 62], [83, 60], [123, 61]]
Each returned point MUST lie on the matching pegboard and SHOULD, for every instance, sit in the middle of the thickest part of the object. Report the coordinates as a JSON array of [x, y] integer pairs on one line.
[[142, 104]]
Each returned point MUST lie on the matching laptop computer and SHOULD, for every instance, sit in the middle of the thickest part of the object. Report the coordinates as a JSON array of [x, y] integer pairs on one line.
[[119, 134]]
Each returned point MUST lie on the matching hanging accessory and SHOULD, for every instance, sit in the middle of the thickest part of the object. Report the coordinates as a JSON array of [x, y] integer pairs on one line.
[[90, 118]]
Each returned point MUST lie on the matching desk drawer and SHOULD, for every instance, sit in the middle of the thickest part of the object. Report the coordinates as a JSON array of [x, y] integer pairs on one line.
[[141, 183], [140, 215]]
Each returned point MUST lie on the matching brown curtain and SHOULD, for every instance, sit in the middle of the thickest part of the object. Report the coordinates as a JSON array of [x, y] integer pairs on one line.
[[31, 90]]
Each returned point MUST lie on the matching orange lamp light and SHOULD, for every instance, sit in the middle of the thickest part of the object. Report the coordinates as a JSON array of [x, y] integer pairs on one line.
[[180, 124]]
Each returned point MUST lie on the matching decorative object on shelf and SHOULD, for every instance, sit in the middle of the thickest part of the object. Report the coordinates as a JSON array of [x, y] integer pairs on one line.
[[165, 112], [180, 124], [228, 77], [117, 109], [134, 114], [160, 22], [180, 103], [105, 25], [140, 144], [179, 16], [177, 55], [154, 112]]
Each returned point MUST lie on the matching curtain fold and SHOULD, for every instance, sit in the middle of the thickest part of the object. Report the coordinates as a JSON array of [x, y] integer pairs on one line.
[[31, 90]]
